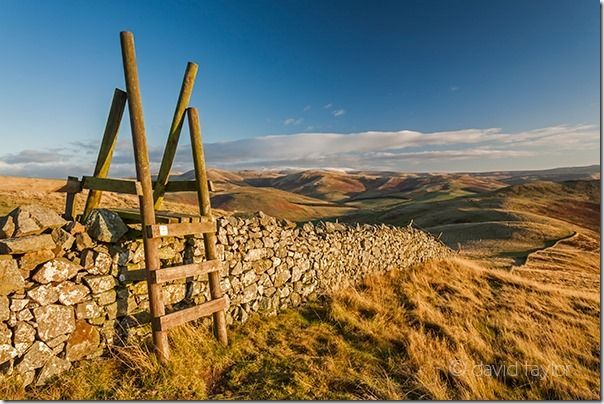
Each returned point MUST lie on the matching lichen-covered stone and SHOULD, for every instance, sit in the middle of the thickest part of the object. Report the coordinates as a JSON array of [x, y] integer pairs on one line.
[[100, 284], [44, 294], [72, 293], [62, 239], [11, 279], [87, 310], [106, 226], [83, 341], [83, 241], [29, 261], [34, 219], [7, 226], [4, 308], [54, 320], [22, 245], [35, 357], [7, 351], [107, 297], [24, 337], [101, 264], [56, 270], [53, 367]]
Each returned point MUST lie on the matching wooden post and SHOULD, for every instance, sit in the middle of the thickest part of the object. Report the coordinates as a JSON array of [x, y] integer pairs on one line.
[[143, 174], [70, 199], [209, 239], [178, 119], [108, 143]]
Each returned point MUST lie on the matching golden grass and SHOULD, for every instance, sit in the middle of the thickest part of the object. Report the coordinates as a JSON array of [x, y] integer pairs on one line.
[[442, 330]]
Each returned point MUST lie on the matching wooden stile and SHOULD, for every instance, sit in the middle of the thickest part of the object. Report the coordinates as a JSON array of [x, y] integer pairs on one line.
[[158, 223]]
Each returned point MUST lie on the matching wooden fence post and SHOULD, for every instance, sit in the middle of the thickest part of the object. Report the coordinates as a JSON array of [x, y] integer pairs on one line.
[[209, 239], [141, 156]]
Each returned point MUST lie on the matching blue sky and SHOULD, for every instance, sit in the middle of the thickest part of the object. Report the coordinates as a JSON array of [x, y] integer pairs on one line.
[[462, 85]]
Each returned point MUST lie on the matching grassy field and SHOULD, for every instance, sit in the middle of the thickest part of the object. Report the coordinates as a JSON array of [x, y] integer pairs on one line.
[[443, 330], [516, 315]]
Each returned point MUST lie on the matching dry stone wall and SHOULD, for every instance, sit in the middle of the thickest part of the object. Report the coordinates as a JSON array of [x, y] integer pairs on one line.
[[66, 291]]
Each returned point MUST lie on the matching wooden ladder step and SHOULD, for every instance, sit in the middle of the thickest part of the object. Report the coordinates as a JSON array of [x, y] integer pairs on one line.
[[180, 317], [184, 186], [161, 216], [185, 271], [132, 187], [173, 273], [180, 229]]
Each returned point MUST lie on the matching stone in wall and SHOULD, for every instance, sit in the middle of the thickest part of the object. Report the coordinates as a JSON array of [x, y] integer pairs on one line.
[[105, 225]]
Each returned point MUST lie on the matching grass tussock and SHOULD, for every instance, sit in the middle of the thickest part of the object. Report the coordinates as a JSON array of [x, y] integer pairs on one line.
[[443, 330]]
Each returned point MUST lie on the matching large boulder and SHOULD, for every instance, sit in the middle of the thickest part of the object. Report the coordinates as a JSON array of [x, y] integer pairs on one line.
[[22, 245], [54, 320], [56, 270], [32, 219], [106, 226], [11, 279], [82, 342]]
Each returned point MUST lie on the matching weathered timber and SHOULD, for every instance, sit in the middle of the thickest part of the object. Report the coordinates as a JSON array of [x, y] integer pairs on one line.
[[178, 119], [180, 229], [161, 216], [74, 187], [143, 174], [103, 162], [192, 313], [112, 185], [183, 186], [184, 271], [203, 196]]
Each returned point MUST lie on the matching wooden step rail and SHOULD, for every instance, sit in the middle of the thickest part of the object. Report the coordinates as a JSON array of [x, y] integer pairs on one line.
[[183, 186], [167, 321], [131, 187], [180, 229], [168, 274]]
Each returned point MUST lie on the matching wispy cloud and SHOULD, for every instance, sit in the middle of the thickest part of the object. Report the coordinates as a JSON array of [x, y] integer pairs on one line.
[[327, 106], [467, 149], [307, 108], [293, 121], [338, 112], [454, 88]]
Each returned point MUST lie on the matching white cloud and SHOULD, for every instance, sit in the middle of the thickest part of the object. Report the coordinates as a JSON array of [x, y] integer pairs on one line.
[[454, 88], [327, 106], [339, 112], [307, 108], [462, 150], [293, 121]]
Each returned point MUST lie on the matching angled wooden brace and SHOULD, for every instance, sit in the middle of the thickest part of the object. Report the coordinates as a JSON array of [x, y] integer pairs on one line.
[[177, 120]]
